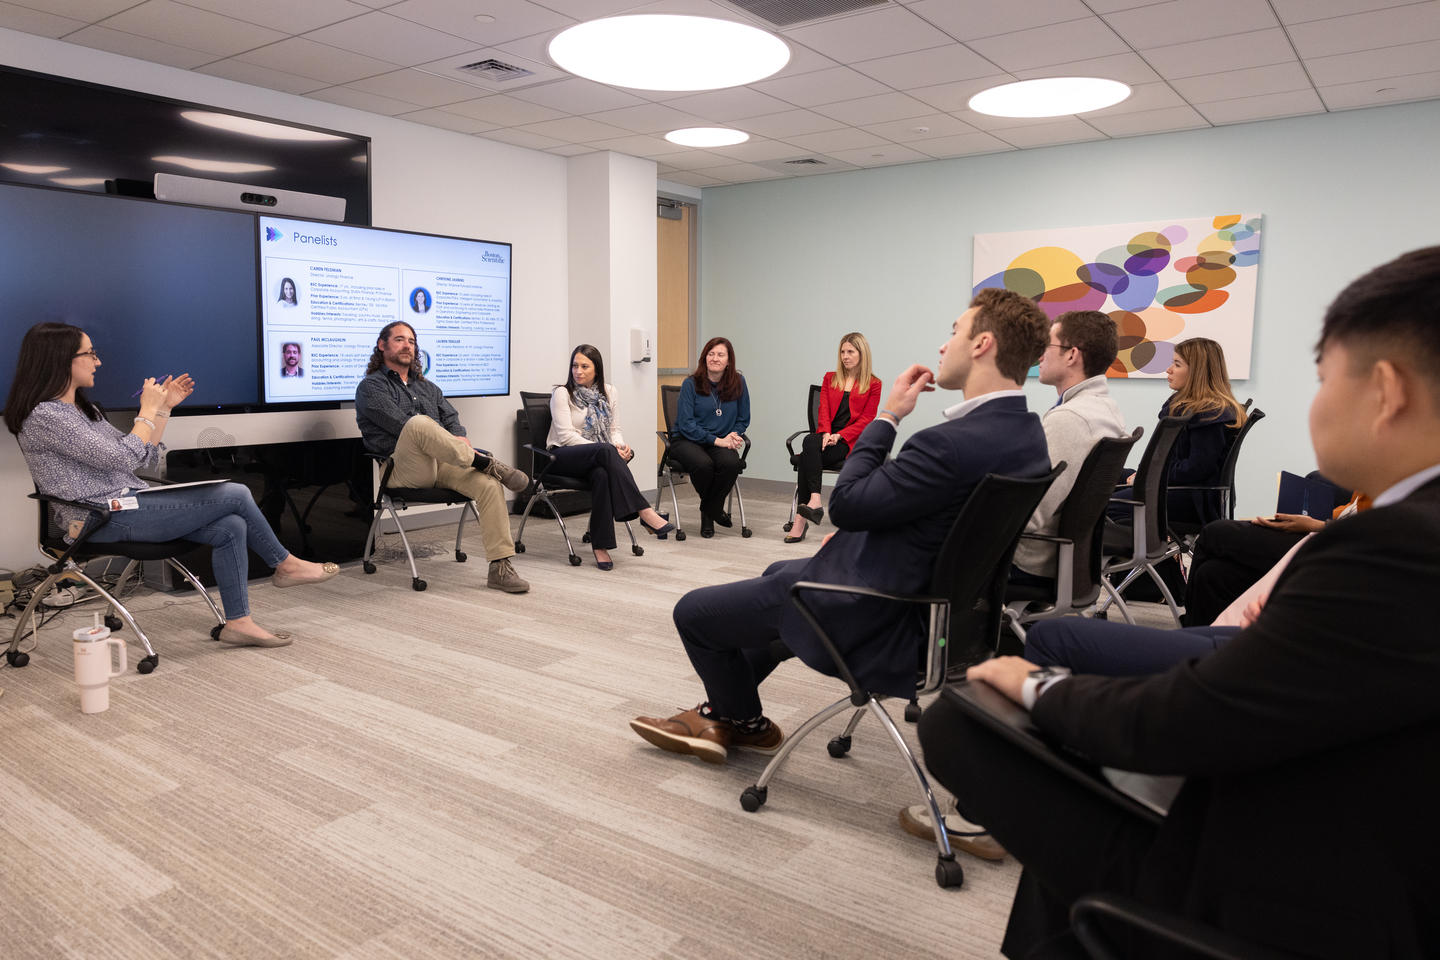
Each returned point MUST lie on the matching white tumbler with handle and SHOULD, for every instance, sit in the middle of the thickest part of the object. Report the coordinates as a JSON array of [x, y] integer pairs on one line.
[[93, 663]]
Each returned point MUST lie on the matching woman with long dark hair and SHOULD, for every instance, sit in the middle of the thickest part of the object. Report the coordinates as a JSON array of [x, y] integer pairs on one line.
[[711, 420], [75, 453], [849, 400], [1213, 416], [586, 441]]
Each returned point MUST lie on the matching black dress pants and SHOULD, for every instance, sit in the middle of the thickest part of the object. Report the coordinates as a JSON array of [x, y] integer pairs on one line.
[[613, 493], [731, 633], [1230, 555], [712, 472], [1069, 840], [814, 460]]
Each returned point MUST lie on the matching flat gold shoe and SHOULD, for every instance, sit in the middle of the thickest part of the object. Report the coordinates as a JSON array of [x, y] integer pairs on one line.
[[281, 581], [237, 639]]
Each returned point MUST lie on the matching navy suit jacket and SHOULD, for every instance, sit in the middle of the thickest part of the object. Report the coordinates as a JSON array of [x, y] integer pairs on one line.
[[893, 518]]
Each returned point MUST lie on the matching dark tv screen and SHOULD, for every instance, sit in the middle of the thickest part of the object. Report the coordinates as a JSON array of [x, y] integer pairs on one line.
[[160, 288]]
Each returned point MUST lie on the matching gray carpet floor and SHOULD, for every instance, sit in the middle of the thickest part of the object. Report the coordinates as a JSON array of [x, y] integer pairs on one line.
[[450, 774]]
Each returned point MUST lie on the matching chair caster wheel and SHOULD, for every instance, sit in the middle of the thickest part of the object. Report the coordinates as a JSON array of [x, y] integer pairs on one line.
[[679, 534], [418, 584], [789, 524], [113, 622], [574, 560], [519, 547], [586, 538], [368, 567], [461, 556], [215, 631], [148, 664], [753, 798], [746, 532], [912, 712], [16, 658], [838, 747], [949, 873], [638, 550]]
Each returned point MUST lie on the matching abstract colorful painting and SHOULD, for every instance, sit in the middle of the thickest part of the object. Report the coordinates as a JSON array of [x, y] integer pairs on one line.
[[1162, 282]]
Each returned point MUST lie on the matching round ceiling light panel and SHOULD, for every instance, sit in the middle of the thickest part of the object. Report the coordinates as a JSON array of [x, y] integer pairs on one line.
[[1050, 97], [664, 52]]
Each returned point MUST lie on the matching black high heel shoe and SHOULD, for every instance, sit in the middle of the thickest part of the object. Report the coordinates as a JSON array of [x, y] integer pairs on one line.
[[791, 539], [602, 564], [707, 526], [813, 514], [660, 531]]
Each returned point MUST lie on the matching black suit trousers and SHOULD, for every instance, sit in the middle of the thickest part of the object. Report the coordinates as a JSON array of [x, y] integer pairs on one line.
[[814, 460], [1230, 555], [613, 493], [712, 472]]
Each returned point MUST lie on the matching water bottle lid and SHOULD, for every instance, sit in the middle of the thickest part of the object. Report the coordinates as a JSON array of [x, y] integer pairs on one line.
[[92, 634]]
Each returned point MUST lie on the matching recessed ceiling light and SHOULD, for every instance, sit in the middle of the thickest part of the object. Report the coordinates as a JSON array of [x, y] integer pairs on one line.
[[662, 52], [1050, 97], [32, 168], [707, 137], [254, 128], [484, 18], [213, 166]]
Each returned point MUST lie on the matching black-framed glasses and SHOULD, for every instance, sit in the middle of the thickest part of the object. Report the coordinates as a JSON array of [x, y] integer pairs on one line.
[[89, 353], [1064, 346]]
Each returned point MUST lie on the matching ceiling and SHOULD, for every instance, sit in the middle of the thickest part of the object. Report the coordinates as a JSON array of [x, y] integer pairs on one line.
[[881, 85]]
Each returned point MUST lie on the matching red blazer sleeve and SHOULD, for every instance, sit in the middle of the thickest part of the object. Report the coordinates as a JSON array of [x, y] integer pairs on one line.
[[829, 396], [862, 410]]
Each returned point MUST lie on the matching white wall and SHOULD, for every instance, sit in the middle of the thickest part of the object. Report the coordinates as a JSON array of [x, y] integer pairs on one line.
[[422, 178], [787, 267]]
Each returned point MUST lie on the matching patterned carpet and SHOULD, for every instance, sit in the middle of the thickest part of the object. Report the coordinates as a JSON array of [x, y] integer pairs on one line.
[[450, 774]]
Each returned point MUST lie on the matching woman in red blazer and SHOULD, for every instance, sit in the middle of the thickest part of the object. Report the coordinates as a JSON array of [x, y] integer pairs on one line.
[[849, 400]]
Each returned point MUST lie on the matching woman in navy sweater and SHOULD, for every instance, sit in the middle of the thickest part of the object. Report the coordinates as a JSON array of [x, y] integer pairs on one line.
[[710, 423]]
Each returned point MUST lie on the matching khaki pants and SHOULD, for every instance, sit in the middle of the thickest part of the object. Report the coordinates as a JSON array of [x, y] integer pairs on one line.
[[427, 455]]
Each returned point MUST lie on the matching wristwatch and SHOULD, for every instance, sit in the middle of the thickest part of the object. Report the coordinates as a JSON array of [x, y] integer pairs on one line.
[[1040, 680]]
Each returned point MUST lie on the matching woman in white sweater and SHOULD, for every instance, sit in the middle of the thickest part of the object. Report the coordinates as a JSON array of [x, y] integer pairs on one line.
[[585, 438]]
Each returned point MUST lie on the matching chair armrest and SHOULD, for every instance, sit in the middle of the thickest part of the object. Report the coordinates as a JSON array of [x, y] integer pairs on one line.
[[858, 695], [1199, 486], [539, 470], [1130, 500], [744, 451], [387, 466], [790, 440], [1197, 938]]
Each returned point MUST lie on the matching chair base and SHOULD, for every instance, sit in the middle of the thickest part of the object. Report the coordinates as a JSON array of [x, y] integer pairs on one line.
[[385, 504]]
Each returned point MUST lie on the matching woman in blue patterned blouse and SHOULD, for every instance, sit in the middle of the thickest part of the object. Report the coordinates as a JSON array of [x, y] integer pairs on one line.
[[73, 452]]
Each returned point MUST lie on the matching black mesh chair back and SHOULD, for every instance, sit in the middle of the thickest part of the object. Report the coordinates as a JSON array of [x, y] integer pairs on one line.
[[1152, 483], [813, 407], [1082, 518], [670, 407], [1232, 460]]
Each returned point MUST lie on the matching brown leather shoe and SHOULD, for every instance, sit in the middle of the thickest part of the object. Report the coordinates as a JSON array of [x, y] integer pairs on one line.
[[915, 820], [705, 737]]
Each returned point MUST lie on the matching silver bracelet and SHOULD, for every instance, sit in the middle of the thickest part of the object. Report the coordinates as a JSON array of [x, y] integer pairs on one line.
[[147, 421], [162, 414]]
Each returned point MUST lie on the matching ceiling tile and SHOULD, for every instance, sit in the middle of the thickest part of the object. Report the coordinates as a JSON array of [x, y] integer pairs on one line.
[[183, 26], [504, 111], [927, 127], [575, 130], [141, 48], [822, 86], [1374, 64], [88, 11], [416, 87], [885, 156], [360, 100], [1182, 21], [1252, 82], [310, 59], [1299, 11], [578, 96], [887, 106], [513, 18], [1258, 49], [242, 72], [754, 151], [569, 150], [925, 68], [1270, 105], [1125, 67], [287, 16], [963, 145], [788, 123], [692, 159], [1146, 96], [521, 138], [741, 173], [1057, 43], [969, 19], [37, 22], [731, 104], [1113, 6], [1049, 134], [693, 179], [873, 33], [829, 141], [1366, 31], [447, 121], [1373, 93], [802, 60], [637, 146], [390, 38], [649, 118], [951, 97], [1144, 122]]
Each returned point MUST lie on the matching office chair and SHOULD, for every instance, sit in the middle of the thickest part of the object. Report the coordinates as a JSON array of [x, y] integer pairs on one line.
[[67, 561], [669, 406], [964, 605], [813, 411], [1225, 486], [386, 498]]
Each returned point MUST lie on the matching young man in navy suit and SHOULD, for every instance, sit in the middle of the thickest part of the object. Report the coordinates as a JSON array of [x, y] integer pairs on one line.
[[892, 518]]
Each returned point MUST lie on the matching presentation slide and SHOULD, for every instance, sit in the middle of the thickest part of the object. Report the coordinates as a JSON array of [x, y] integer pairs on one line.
[[326, 290]]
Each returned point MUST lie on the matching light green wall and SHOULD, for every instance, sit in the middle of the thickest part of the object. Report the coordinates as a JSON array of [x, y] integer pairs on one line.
[[789, 266]]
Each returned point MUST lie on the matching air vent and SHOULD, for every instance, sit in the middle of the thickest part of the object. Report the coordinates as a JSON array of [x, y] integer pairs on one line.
[[786, 13], [495, 70], [805, 162]]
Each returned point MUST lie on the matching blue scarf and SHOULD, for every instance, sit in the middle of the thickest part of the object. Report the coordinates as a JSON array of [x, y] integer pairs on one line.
[[598, 421]]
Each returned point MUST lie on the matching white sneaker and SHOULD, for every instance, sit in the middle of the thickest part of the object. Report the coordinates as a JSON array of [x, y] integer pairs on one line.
[[963, 835]]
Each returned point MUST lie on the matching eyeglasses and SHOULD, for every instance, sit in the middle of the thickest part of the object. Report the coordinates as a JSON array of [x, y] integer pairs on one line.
[[89, 353], [1063, 346]]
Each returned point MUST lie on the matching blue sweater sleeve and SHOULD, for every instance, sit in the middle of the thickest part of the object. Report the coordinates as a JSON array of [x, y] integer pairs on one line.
[[742, 408]]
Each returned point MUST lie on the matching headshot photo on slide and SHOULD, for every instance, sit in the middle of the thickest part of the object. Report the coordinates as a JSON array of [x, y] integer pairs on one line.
[[420, 300], [288, 295]]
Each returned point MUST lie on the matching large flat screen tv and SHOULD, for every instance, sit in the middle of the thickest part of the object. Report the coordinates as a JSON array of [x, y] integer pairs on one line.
[[160, 289], [327, 289]]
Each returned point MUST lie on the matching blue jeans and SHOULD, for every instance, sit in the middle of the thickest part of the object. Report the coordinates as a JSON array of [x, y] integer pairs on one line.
[[1118, 649], [223, 515]]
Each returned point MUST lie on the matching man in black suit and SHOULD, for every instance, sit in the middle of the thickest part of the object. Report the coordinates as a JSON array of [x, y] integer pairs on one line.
[[1308, 742], [892, 519]]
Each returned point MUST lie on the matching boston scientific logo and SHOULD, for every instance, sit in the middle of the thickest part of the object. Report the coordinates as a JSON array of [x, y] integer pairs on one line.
[[272, 234], [490, 256]]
